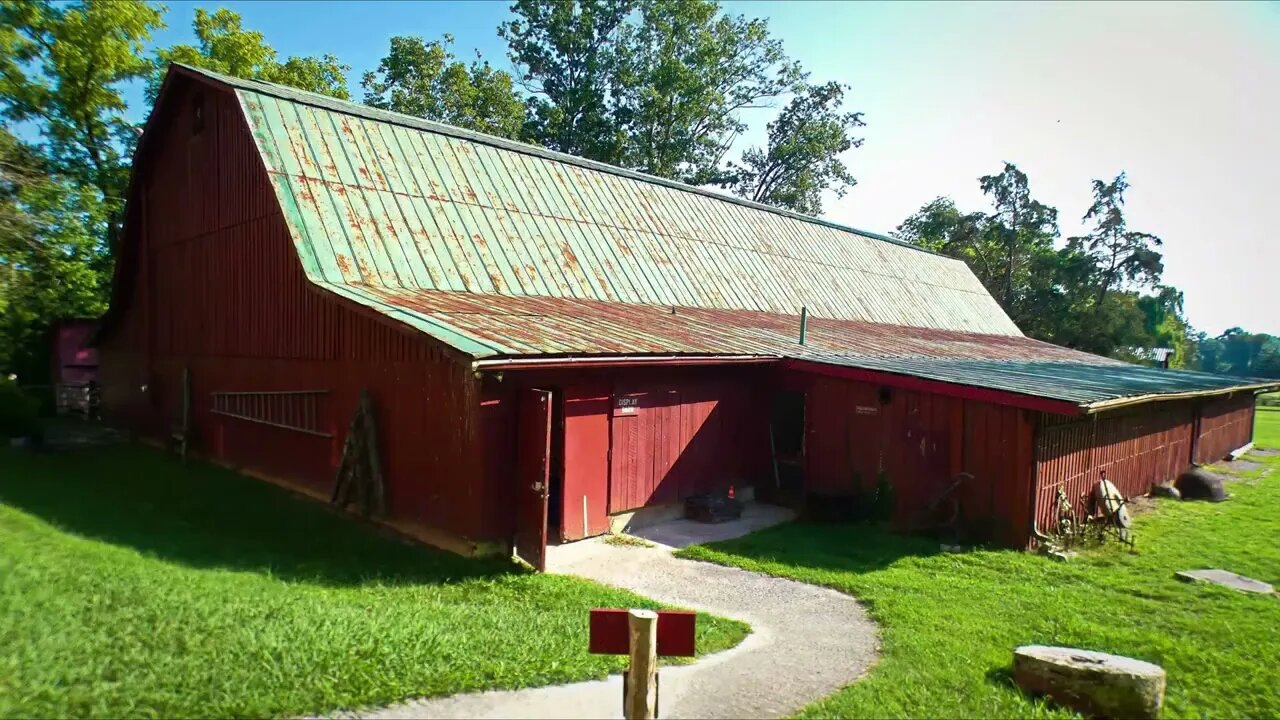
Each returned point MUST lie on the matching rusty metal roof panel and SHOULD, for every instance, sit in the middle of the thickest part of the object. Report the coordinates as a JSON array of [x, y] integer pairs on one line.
[[392, 201], [520, 326]]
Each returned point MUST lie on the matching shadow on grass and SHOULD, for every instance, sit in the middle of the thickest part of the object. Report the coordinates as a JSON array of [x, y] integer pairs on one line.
[[204, 516], [1002, 677]]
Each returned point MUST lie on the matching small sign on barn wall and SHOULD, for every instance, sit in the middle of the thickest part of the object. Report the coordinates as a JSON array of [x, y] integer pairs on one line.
[[625, 405], [867, 410]]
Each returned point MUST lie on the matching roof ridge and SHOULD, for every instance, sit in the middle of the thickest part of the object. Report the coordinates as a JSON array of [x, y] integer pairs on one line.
[[292, 94]]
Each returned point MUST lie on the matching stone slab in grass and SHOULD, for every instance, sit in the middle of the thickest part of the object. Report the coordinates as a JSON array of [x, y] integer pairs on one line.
[[1225, 579], [1093, 683]]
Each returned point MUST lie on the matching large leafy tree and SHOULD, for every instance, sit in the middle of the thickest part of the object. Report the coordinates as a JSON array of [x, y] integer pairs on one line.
[[224, 46], [425, 79], [1020, 227], [62, 68], [566, 55], [1087, 294], [653, 85], [685, 72], [1123, 256], [803, 157]]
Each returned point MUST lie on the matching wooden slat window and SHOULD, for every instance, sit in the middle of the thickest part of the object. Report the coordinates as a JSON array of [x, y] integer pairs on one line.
[[298, 410]]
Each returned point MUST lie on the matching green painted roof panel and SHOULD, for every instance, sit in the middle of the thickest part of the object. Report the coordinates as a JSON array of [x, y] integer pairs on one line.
[[381, 199]]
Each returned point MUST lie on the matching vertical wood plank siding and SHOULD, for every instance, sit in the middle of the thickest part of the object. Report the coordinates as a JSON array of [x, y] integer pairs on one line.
[[1139, 447], [921, 442], [217, 287], [1225, 425]]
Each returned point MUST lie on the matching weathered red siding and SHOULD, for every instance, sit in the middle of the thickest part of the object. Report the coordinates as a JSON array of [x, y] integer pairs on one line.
[[1137, 448], [694, 429], [921, 442], [1224, 425], [215, 286]]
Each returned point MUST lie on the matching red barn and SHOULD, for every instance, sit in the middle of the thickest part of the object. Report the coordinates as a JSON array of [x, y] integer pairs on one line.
[[552, 344], [74, 365]]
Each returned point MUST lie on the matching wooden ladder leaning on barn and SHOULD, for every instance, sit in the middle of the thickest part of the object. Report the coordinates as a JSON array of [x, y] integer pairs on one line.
[[359, 477]]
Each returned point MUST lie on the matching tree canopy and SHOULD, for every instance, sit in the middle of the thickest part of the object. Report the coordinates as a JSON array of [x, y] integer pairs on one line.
[[425, 79], [224, 46]]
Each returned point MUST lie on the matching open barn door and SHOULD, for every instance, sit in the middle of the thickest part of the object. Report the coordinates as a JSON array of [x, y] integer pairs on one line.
[[533, 458]]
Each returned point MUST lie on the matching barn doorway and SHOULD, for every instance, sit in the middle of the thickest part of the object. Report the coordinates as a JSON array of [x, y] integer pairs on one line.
[[555, 470], [786, 436], [533, 475]]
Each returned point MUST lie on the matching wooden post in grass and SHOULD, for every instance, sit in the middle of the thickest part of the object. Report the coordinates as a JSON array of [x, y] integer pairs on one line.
[[641, 701]]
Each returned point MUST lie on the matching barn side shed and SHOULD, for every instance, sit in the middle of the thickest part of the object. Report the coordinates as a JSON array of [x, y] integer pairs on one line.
[[555, 347]]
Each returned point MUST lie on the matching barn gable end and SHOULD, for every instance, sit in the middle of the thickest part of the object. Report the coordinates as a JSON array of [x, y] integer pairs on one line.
[[209, 282]]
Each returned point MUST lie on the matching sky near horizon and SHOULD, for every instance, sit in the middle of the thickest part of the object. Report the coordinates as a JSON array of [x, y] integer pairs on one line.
[[1184, 97]]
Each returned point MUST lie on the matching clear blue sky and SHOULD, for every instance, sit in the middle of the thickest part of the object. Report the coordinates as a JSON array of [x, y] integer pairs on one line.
[[1184, 97]]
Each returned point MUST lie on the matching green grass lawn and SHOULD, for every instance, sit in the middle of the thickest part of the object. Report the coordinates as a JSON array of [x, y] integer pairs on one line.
[[131, 585], [950, 621]]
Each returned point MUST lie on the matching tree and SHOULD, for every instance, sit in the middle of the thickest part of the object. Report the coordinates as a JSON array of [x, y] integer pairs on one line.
[[653, 85], [685, 70], [1053, 293], [565, 52], [1123, 256], [1022, 227], [61, 69], [62, 66], [224, 46], [426, 80], [53, 263], [1240, 353], [802, 159], [944, 228]]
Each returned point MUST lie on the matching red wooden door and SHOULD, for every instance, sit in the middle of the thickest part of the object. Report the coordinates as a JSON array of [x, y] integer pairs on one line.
[[533, 467]]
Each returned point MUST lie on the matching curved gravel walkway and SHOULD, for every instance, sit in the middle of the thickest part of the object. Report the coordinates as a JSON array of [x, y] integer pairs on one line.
[[806, 643]]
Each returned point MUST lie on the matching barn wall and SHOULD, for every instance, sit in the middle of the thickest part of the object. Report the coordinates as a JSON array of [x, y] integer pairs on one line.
[[1137, 448], [692, 430], [1225, 424], [921, 442], [216, 287]]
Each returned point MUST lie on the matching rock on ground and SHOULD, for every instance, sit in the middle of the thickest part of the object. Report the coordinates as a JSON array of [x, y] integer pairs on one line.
[[1226, 579], [1200, 484], [1096, 684]]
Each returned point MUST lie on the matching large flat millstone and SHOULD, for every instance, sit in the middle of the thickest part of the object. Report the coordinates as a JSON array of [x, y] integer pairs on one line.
[[1226, 579], [1093, 683]]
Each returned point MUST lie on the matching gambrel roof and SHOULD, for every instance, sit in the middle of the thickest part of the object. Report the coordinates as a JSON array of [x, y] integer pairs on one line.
[[505, 250]]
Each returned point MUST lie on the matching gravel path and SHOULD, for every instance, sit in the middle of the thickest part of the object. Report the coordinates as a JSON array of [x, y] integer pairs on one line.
[[806, 643]]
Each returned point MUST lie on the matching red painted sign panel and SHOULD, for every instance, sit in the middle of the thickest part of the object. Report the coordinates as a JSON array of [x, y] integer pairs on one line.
[[609, 635]]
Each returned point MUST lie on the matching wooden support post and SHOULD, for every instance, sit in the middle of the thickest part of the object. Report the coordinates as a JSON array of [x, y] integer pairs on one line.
[[641, 700]]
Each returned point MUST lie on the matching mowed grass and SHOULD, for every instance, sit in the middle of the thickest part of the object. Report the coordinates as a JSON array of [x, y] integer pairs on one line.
[[131, 585], [950, 622]]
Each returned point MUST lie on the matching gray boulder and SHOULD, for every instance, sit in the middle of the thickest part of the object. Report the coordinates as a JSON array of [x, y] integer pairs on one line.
[[1093, 683], [1200, 484]]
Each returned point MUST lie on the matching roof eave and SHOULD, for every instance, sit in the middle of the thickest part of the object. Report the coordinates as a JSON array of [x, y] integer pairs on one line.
[[1123, 402]]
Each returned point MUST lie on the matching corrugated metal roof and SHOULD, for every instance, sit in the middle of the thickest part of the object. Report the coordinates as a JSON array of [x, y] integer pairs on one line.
[[522, 326], [1078, 381], [491, 325], [501, 249], [381, 199]]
